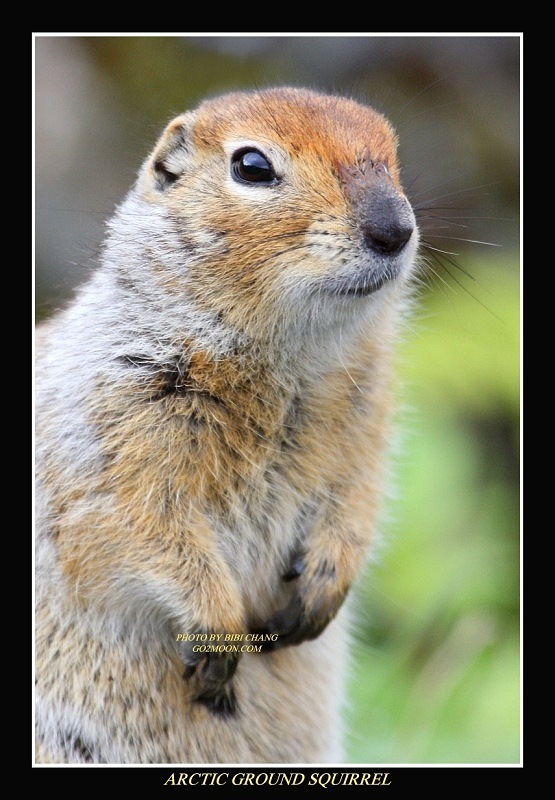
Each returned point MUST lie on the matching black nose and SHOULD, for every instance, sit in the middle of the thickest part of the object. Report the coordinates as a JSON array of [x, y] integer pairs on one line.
[[389, 239], [388, 222]]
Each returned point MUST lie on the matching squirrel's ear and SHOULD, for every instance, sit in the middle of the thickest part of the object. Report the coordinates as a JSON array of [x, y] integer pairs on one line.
[[172, 153]]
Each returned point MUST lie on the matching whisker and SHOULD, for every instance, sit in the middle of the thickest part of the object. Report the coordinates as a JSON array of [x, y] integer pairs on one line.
[[428, 263], [445, 183], [464, 193], [479, 217], [461, 239], [439, 250], [415, 97], [444, 255]]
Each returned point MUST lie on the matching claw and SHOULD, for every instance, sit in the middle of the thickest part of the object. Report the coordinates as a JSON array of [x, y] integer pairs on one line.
[[211, 674], [295, 570], [303, 619], [189, 671], [223, 703]]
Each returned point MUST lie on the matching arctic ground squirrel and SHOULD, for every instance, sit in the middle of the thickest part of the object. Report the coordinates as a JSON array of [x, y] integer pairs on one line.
[[212, 425]]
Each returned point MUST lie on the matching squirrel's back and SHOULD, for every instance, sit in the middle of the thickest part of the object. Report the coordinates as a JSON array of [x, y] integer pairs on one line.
[[212, 422]]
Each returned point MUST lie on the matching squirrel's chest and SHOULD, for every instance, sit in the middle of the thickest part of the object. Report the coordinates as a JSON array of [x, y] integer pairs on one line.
[[255, 470], [252, 460], [260, 528], [225, 437], [247, 448]]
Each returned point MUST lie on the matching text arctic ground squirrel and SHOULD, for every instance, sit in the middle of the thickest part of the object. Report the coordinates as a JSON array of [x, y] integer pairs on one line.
[[212, 427]]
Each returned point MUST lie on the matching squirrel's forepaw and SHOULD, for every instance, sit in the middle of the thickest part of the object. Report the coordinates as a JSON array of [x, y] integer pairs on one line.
[[315, 602], [210, 676]]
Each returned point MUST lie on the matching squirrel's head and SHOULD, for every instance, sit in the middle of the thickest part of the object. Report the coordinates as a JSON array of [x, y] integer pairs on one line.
[[277, 206]]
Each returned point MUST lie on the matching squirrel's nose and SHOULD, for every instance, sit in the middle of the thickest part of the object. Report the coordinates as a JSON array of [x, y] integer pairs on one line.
[[388, 222], [387, 240]]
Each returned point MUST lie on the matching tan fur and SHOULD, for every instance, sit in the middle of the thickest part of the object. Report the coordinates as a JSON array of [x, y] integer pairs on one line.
[[206, 411]]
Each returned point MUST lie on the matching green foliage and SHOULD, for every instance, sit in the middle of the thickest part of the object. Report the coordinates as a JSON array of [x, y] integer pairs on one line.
[[435, 676]]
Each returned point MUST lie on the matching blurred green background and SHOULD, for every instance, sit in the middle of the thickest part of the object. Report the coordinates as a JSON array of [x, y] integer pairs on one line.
[[435, 667]]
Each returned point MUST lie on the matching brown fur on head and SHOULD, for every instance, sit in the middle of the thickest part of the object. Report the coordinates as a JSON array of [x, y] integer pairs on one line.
[[285, 248]]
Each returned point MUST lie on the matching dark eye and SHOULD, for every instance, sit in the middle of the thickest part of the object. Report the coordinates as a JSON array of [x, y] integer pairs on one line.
[[250, 166]]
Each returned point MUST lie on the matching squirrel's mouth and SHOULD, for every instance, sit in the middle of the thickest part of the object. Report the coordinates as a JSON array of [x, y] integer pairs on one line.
[[364, 281], [372, 284]]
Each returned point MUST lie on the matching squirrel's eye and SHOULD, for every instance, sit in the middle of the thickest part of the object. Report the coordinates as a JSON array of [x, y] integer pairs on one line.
[[250, 166]]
